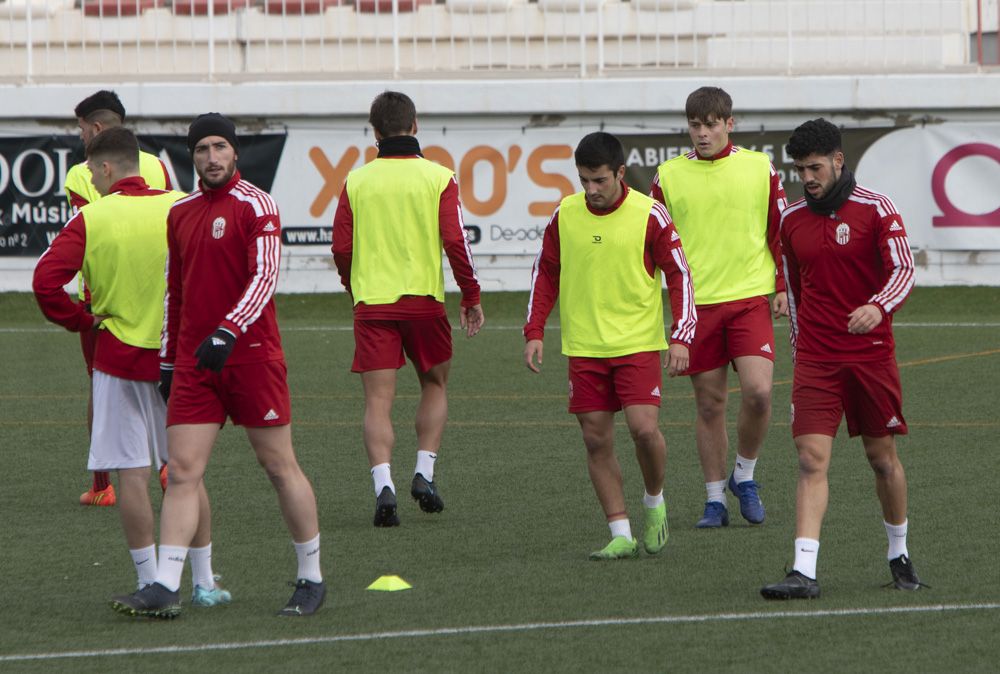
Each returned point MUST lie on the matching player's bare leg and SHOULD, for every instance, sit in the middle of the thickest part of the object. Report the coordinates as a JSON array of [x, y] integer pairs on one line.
[[812, 492], [651, 453], [379, 437], [432, 414], [602, 463], [606, 476], [136, 508], [380, 391], [189, 448], [756, 375], [890, 478], [650, 446], [273, 446], [890, 484], [203, 534], [711, 395], [811, 497]]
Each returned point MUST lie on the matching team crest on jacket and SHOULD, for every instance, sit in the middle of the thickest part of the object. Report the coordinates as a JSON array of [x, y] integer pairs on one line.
[[218, 228], [843, 233]]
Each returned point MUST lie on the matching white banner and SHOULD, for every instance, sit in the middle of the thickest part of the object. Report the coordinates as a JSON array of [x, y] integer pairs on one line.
[[944, 180]]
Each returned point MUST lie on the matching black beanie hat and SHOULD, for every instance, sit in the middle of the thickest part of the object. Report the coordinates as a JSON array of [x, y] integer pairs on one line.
[[102, 100], [212, 124]]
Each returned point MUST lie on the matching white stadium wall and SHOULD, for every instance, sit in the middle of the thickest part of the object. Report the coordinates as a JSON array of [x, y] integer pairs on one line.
[[929, 141]]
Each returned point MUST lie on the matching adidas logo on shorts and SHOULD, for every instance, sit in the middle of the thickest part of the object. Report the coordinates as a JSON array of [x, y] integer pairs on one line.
[[766, 348], [892, 423], [655, 392], [271, 416]]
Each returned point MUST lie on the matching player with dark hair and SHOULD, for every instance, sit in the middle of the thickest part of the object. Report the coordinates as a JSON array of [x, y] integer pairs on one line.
[[96, 113], [603, 254], [725, 201], [119, 244], [100, 111], [394, 217], [849, 269], [222, 357]]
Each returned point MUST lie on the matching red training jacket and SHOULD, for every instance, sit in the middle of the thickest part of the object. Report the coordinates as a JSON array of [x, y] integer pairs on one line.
[[223, 250]]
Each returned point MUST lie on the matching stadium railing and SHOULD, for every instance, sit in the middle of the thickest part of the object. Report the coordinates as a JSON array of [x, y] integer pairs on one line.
[[230, 39]]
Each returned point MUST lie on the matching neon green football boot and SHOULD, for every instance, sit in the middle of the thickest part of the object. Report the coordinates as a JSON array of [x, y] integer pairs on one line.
[[619, 548], [655, 532]]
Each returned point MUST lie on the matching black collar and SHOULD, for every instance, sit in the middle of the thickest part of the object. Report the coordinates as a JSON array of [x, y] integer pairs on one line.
[[399, 146], [836, 197]]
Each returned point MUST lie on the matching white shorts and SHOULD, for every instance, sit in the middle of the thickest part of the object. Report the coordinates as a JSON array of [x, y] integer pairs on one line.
[[130, 424]]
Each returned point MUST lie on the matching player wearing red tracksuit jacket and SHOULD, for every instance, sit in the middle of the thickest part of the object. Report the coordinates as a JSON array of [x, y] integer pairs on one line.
[[602, 254], [224, 248], [222, 358], [726, 202], [394, 217], [848, 268], [98, 112]]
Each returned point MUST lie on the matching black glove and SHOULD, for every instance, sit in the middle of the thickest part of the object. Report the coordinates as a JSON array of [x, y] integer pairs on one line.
[[166, 378], [215, 350]]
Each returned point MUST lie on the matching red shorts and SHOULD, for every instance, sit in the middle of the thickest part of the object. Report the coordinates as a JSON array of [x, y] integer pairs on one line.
[[379, 345], [868, 394], [255, 395], [608, 384], [729, 330]]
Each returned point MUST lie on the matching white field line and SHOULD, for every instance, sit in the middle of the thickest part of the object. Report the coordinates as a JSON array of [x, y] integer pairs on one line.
[[488, 327], [494, 629]]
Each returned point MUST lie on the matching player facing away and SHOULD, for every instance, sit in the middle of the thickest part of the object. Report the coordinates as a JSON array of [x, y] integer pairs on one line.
[[221, 357], [849, 269], [603, 254], [119, 244], [94, 114], [726, 202], [394, 216]]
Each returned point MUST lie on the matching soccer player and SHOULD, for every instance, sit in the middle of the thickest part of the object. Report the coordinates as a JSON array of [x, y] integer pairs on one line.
[[394, 216], [119, 244], [849, 269], [725, 201], [603, 254], [222, 356], [100, 111]]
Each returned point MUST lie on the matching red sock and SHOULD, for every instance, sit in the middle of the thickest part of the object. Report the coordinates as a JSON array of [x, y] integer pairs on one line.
[[101, 480]]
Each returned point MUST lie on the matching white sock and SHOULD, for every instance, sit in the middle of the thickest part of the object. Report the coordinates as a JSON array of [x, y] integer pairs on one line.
[[201, 567], [897, 538], [308, 555], [806, 552], [716, 491], [382, 478], [171, 566], [425, 464], [652, 501], [743, 470], [620, 528], [144, 560]]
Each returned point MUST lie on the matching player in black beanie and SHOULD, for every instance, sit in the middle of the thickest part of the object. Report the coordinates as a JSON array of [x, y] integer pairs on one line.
[[212, 124]]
